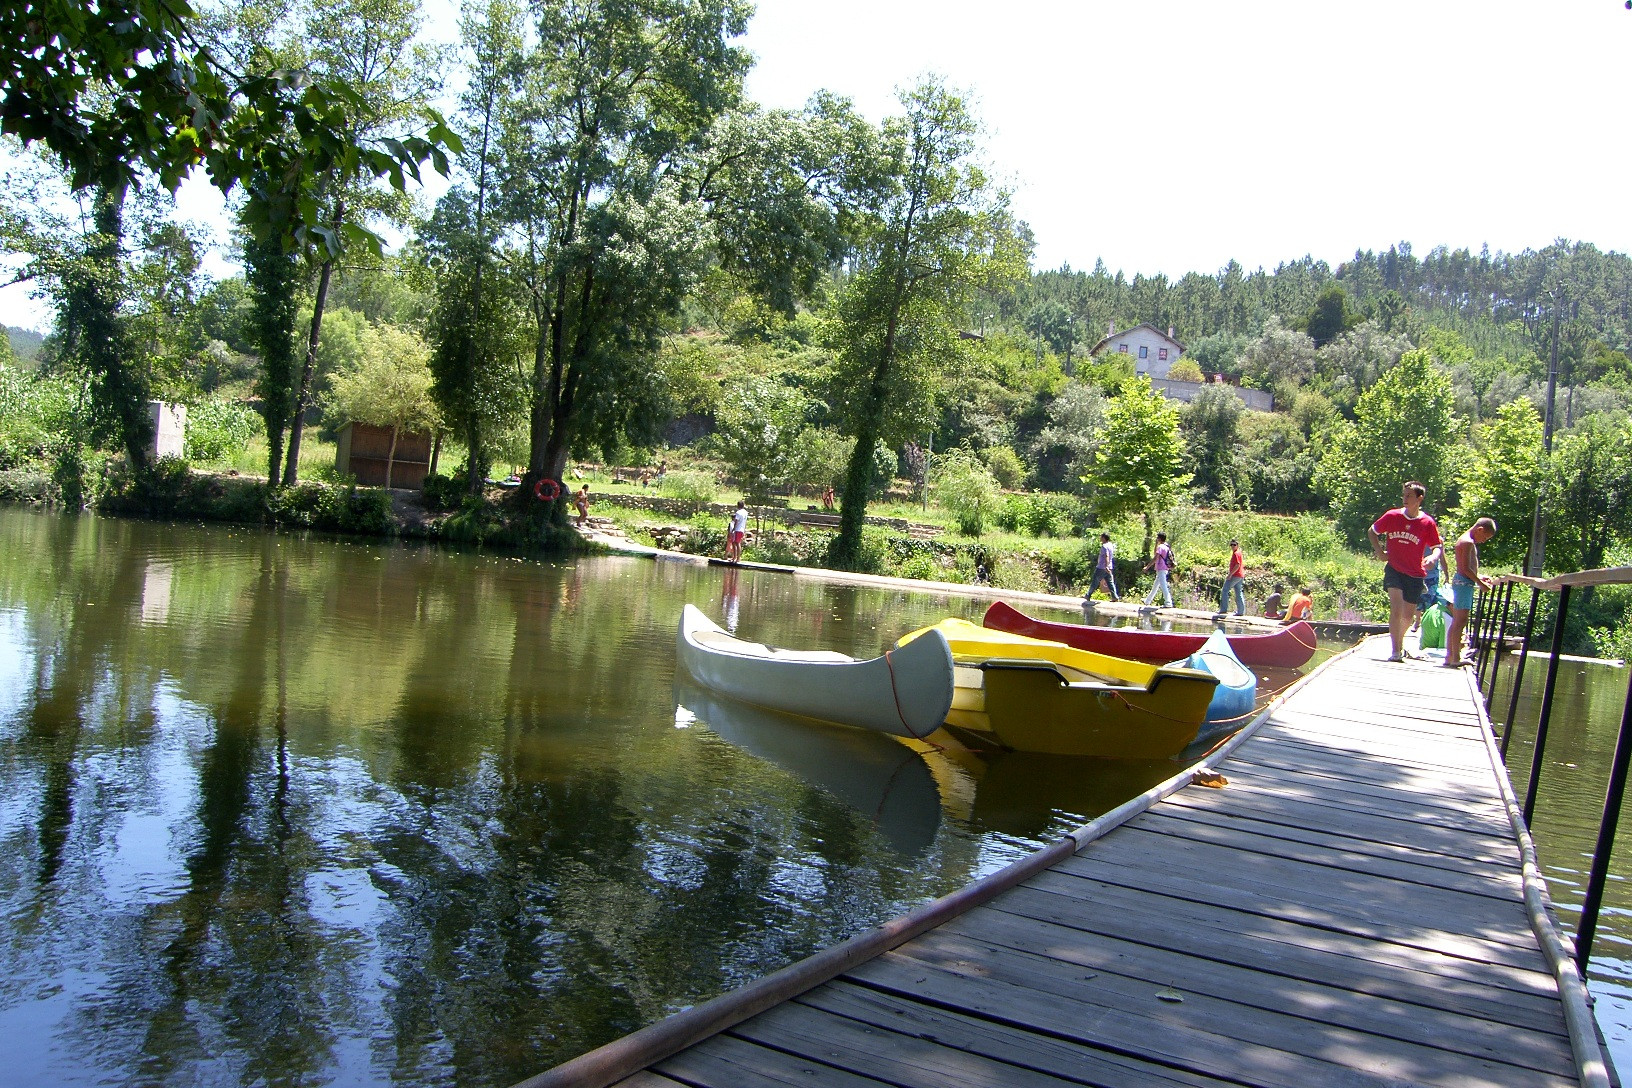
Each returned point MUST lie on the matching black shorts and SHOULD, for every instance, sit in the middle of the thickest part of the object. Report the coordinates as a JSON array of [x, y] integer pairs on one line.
[[1410, 588]]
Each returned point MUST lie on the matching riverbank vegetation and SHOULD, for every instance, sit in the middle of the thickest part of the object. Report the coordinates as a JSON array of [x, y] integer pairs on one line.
[[636, 266]]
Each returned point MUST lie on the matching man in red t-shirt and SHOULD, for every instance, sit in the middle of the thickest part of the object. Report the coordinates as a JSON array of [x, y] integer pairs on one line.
[[1399, 538]]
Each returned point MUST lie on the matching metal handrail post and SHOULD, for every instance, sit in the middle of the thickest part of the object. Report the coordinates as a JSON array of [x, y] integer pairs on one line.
[[1531, 787], [1606, 838], [1505, 611], [1518, 676], [1475, 631]]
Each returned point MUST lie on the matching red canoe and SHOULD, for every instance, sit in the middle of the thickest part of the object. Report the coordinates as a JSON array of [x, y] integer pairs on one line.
[[1289, 648]]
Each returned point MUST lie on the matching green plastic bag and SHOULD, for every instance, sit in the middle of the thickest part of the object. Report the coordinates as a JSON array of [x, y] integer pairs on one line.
[[1434, 622]]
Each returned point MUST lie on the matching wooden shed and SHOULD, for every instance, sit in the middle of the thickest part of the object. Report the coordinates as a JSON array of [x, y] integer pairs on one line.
[[364, 450]]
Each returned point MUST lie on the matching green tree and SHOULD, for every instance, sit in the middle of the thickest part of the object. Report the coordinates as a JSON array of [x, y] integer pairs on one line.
[[607, 234], [759, 424], [1589, 493], [1330, 317], [479, 323], [1280, 360], [1211, 425], [964, 486], [1503, 475], [273, 274], [1405, 429], [939, 233], [388, 384], [1186, 370], [370, 47], [1140, 466], [1064, 448]]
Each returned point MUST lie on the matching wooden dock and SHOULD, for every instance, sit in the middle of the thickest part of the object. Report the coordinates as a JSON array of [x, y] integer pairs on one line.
[[1357, 904]]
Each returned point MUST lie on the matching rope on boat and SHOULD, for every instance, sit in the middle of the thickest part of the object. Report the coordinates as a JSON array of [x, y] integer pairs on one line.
[[899, 713]]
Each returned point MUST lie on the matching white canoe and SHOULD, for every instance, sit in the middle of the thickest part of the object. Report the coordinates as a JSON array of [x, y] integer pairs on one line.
[[906, 692]]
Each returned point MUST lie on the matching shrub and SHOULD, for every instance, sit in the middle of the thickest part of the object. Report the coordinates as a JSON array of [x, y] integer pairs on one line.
[[1048, 515], [27, 483], [219, 428], [332, 509], [1005, 467], [922, 567], [964, 486], [698, 487], [444, 492]]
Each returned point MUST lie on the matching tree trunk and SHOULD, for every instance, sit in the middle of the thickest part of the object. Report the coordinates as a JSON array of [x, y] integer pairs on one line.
[[391, 456], [107, 350], [297, 419]]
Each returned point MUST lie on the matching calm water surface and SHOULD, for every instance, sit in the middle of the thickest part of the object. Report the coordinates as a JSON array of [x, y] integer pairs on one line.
[[287, 811], [1586, 715]]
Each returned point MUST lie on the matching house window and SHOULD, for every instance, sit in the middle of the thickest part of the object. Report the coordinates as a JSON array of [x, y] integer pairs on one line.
[[1161, 353], [1144, 352], [1123, 348]]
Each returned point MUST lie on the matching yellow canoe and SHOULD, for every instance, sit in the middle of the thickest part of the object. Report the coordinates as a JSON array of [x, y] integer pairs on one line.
[[1036, 696]]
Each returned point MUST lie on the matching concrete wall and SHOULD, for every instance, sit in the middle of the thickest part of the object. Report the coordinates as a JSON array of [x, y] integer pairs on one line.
[[169, 429], [1256, 400]]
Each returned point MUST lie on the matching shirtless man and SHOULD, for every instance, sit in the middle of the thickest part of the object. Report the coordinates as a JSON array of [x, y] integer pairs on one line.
[[1464, 583]]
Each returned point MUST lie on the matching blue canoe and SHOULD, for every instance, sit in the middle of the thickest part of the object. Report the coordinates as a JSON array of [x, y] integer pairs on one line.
[[1237, 685]]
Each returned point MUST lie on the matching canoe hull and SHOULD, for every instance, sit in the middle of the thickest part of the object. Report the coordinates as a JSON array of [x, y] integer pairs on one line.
[[1042, 697], [906, 692], [1031, 707], [1291, 647], [1237, 690]]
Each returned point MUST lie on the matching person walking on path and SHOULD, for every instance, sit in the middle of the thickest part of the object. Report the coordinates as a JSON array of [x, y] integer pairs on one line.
[[581, 501], [1464, 583], [737, 533], [1433, 560], [1234, 579], [1104, 569], [1161, 563], [1400, 538]]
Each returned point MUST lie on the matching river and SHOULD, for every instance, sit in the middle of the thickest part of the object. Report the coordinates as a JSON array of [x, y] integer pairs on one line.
[[284, 810]]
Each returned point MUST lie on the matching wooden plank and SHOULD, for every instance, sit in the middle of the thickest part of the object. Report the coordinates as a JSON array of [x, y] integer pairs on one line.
[[1306, 783], [648, 1079], [1360, 772], [1322, 911], [725, 1061], [1191, 806], [1319, 738], [1000, 1041], [1325, 1002], [1126, 1014], [1507, 994], [888, 1056], [1355, 823], [1127, 1031], [1248, 839], [1259, 796], [1312, 883], [1347, 911]]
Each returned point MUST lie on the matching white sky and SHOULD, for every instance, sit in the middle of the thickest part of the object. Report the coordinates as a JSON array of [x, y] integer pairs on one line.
[[1173, 135]]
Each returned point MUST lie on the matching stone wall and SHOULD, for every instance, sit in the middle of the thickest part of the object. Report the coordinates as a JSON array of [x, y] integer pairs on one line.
[[683, 509]]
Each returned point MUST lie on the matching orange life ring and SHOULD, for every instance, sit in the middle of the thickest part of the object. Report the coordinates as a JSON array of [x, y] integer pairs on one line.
[[547, 490]]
